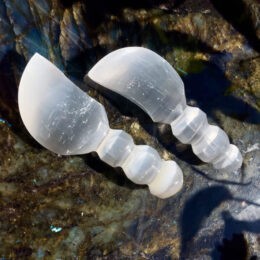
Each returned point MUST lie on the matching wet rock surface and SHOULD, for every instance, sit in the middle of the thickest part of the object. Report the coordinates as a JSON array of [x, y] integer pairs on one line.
[[54, 207]]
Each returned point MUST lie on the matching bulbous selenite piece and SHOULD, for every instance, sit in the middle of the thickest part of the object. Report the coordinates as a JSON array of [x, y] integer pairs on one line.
[[65, 120], [149, 81], [145, 78], [59, 115]]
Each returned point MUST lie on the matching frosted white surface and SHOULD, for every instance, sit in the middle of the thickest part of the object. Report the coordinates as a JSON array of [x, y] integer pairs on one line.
[[143, 159], [169, 182], [230, 160], [145, 78], [149, 81], [58, 114], [65, 120], [190, 126], [116, 147], [210, 143]]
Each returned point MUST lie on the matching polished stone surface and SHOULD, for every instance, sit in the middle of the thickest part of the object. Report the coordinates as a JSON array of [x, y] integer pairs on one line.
[[72, 207]]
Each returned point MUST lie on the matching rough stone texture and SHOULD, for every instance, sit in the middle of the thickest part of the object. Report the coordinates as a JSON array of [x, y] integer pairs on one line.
[[72, 207]]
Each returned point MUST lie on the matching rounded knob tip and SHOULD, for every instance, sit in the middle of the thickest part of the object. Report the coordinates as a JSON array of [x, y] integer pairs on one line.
[[168, 182]]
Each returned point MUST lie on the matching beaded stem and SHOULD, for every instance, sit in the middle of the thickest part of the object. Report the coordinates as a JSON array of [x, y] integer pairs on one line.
[[141, 163], [210, 143]]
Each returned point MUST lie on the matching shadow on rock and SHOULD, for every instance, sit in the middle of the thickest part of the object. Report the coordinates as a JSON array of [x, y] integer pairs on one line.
[[98, 10], [236, 13], [68, 3], [208, 88], [11, 68], [221, 181], [199, 207], [116, 175], [234, 245], [236, 248], [239, 226]]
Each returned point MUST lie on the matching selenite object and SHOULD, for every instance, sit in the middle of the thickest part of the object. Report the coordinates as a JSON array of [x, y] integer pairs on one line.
[[67, 121], [149, 81]]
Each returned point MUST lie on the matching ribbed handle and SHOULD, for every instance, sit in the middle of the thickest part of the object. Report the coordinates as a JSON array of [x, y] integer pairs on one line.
[[210, 143], [141, 163]]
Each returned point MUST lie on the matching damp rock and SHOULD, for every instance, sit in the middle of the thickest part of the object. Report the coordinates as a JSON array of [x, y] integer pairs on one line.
[[94, 204]]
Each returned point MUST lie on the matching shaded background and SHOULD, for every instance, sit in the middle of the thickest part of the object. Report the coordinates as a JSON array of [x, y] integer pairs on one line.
[[67, 207]]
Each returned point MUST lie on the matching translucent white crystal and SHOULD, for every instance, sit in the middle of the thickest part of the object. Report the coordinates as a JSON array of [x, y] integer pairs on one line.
[[58, 114], [149, 81], [115, 148], [142, 165], [168, 182], [209, 143], [145, 78], [66, 120], [230, 160], [212, 144], [190, 125]]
